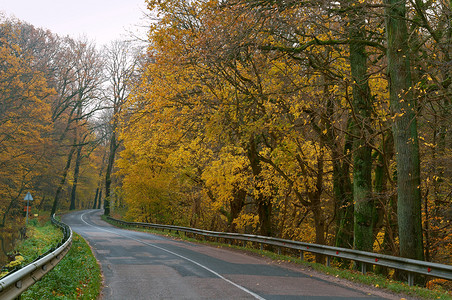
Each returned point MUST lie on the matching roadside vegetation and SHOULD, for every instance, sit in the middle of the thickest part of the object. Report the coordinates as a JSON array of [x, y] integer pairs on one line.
[[41, 238], [325, 122], [378, 281], [77, 275]]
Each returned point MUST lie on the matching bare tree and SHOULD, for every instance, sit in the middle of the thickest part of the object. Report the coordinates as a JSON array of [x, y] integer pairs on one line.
[[80, 92], [122, 61]]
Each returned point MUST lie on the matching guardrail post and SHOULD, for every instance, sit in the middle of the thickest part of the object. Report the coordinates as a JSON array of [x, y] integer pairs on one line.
[[363, 268], [328, 261], [410, 279], [279, 250], [301, 254], [262, 247]]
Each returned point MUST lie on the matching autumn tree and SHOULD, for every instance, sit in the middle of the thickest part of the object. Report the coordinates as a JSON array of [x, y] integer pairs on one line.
[[431, 73], [275, 117], [50, 89], [362, 109], [78, 92], [122, 60], [56, 58], [249, 101], [403, 106], [24, 118]]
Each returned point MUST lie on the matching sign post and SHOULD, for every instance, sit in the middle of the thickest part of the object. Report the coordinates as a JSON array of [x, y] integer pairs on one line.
[[28, 198]]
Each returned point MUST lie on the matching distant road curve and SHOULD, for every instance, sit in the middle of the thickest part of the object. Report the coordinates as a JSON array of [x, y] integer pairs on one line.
[[139, 265]]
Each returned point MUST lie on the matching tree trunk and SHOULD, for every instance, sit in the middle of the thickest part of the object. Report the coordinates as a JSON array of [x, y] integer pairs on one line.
[[265, 211], [344, 206], [362, 153], [236, 204], [343, 193], [264, 205], [41, 204], [11, 204], [316, 206], [99, 184], [385, 204], [63, 180], [404, 129], [95, 198], [342, 186], [108, 172], [78, 161], [99, 200]]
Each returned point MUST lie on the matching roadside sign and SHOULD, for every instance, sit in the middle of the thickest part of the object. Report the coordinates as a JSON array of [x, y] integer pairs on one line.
[[28, 197]]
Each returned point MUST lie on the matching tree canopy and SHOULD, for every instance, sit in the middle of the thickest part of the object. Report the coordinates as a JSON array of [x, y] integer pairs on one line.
[[319, 121]]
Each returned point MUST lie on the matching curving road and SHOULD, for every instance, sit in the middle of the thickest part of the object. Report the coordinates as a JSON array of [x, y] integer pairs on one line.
[[139, 265]]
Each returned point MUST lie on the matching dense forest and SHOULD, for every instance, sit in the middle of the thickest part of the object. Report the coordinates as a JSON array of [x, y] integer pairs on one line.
[[57, 103], [326, 122]]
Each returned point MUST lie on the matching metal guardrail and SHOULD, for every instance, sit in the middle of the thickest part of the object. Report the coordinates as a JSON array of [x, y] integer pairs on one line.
[[17, 282], [411, 266]]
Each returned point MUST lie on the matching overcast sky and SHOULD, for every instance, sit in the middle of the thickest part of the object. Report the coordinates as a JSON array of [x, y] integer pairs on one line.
[[99, 20]]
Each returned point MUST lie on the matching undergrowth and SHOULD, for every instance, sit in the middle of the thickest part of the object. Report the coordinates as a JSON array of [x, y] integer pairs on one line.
[[76, 276], [40, 239]]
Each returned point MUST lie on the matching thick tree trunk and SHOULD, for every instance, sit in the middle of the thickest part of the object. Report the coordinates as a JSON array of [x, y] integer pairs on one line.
[[78, 161], [99, 184], [264, 205], [265, 211], [108, 172], [236, 204], [99, 200], [95, 198], [362, 153], [403, 107], [63, 180]]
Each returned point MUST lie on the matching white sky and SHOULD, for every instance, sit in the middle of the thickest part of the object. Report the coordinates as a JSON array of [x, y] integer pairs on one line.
[[101, 21]]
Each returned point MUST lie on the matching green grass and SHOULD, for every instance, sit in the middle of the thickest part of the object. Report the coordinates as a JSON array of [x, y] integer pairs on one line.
[[76, 276], [370, 279], [41, 238]]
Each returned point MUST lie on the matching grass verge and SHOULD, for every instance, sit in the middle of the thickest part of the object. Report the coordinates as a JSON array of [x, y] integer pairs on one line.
[[76, 276], [370, 279], [41, 238]]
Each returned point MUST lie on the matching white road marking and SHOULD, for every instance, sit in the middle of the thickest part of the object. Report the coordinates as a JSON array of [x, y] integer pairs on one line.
[[180, 256]]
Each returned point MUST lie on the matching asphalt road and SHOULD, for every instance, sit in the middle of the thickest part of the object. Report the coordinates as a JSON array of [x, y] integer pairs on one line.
[[139, 265]]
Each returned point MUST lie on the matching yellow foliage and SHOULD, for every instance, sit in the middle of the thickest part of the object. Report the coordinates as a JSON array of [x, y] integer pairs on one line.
[[24, 116], [232, 113]]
